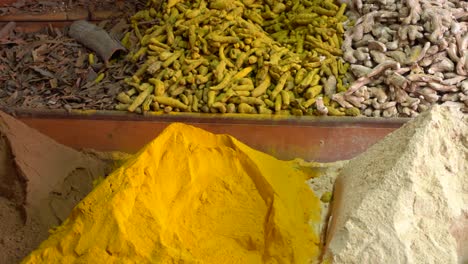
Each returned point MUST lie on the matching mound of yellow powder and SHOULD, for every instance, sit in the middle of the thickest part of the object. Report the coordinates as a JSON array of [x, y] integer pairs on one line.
[[191, 196]]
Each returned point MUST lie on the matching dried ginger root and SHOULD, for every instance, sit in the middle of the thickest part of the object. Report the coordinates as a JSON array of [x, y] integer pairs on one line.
[[412, 51], [231, 56]]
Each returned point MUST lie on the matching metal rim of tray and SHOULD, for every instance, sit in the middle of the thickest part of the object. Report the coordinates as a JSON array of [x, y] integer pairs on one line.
[[211, 118]]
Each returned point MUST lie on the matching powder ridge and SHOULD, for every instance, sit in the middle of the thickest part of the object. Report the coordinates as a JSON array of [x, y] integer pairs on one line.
[[191, 196]]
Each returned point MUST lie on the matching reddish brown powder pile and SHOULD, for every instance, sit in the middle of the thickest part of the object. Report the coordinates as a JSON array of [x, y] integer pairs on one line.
[[40, 182]]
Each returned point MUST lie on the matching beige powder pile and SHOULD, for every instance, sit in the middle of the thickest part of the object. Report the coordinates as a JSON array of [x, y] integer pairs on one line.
[[405, 200]]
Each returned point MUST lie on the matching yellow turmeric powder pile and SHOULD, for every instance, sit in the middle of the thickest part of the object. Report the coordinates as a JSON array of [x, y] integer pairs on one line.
[[191, 196]]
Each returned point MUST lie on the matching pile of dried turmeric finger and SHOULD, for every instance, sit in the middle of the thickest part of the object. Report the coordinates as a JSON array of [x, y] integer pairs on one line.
[[293, 57], [237, 57]]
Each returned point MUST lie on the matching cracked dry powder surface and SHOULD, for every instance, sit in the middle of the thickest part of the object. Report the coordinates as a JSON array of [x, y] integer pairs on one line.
[[405, 200]]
